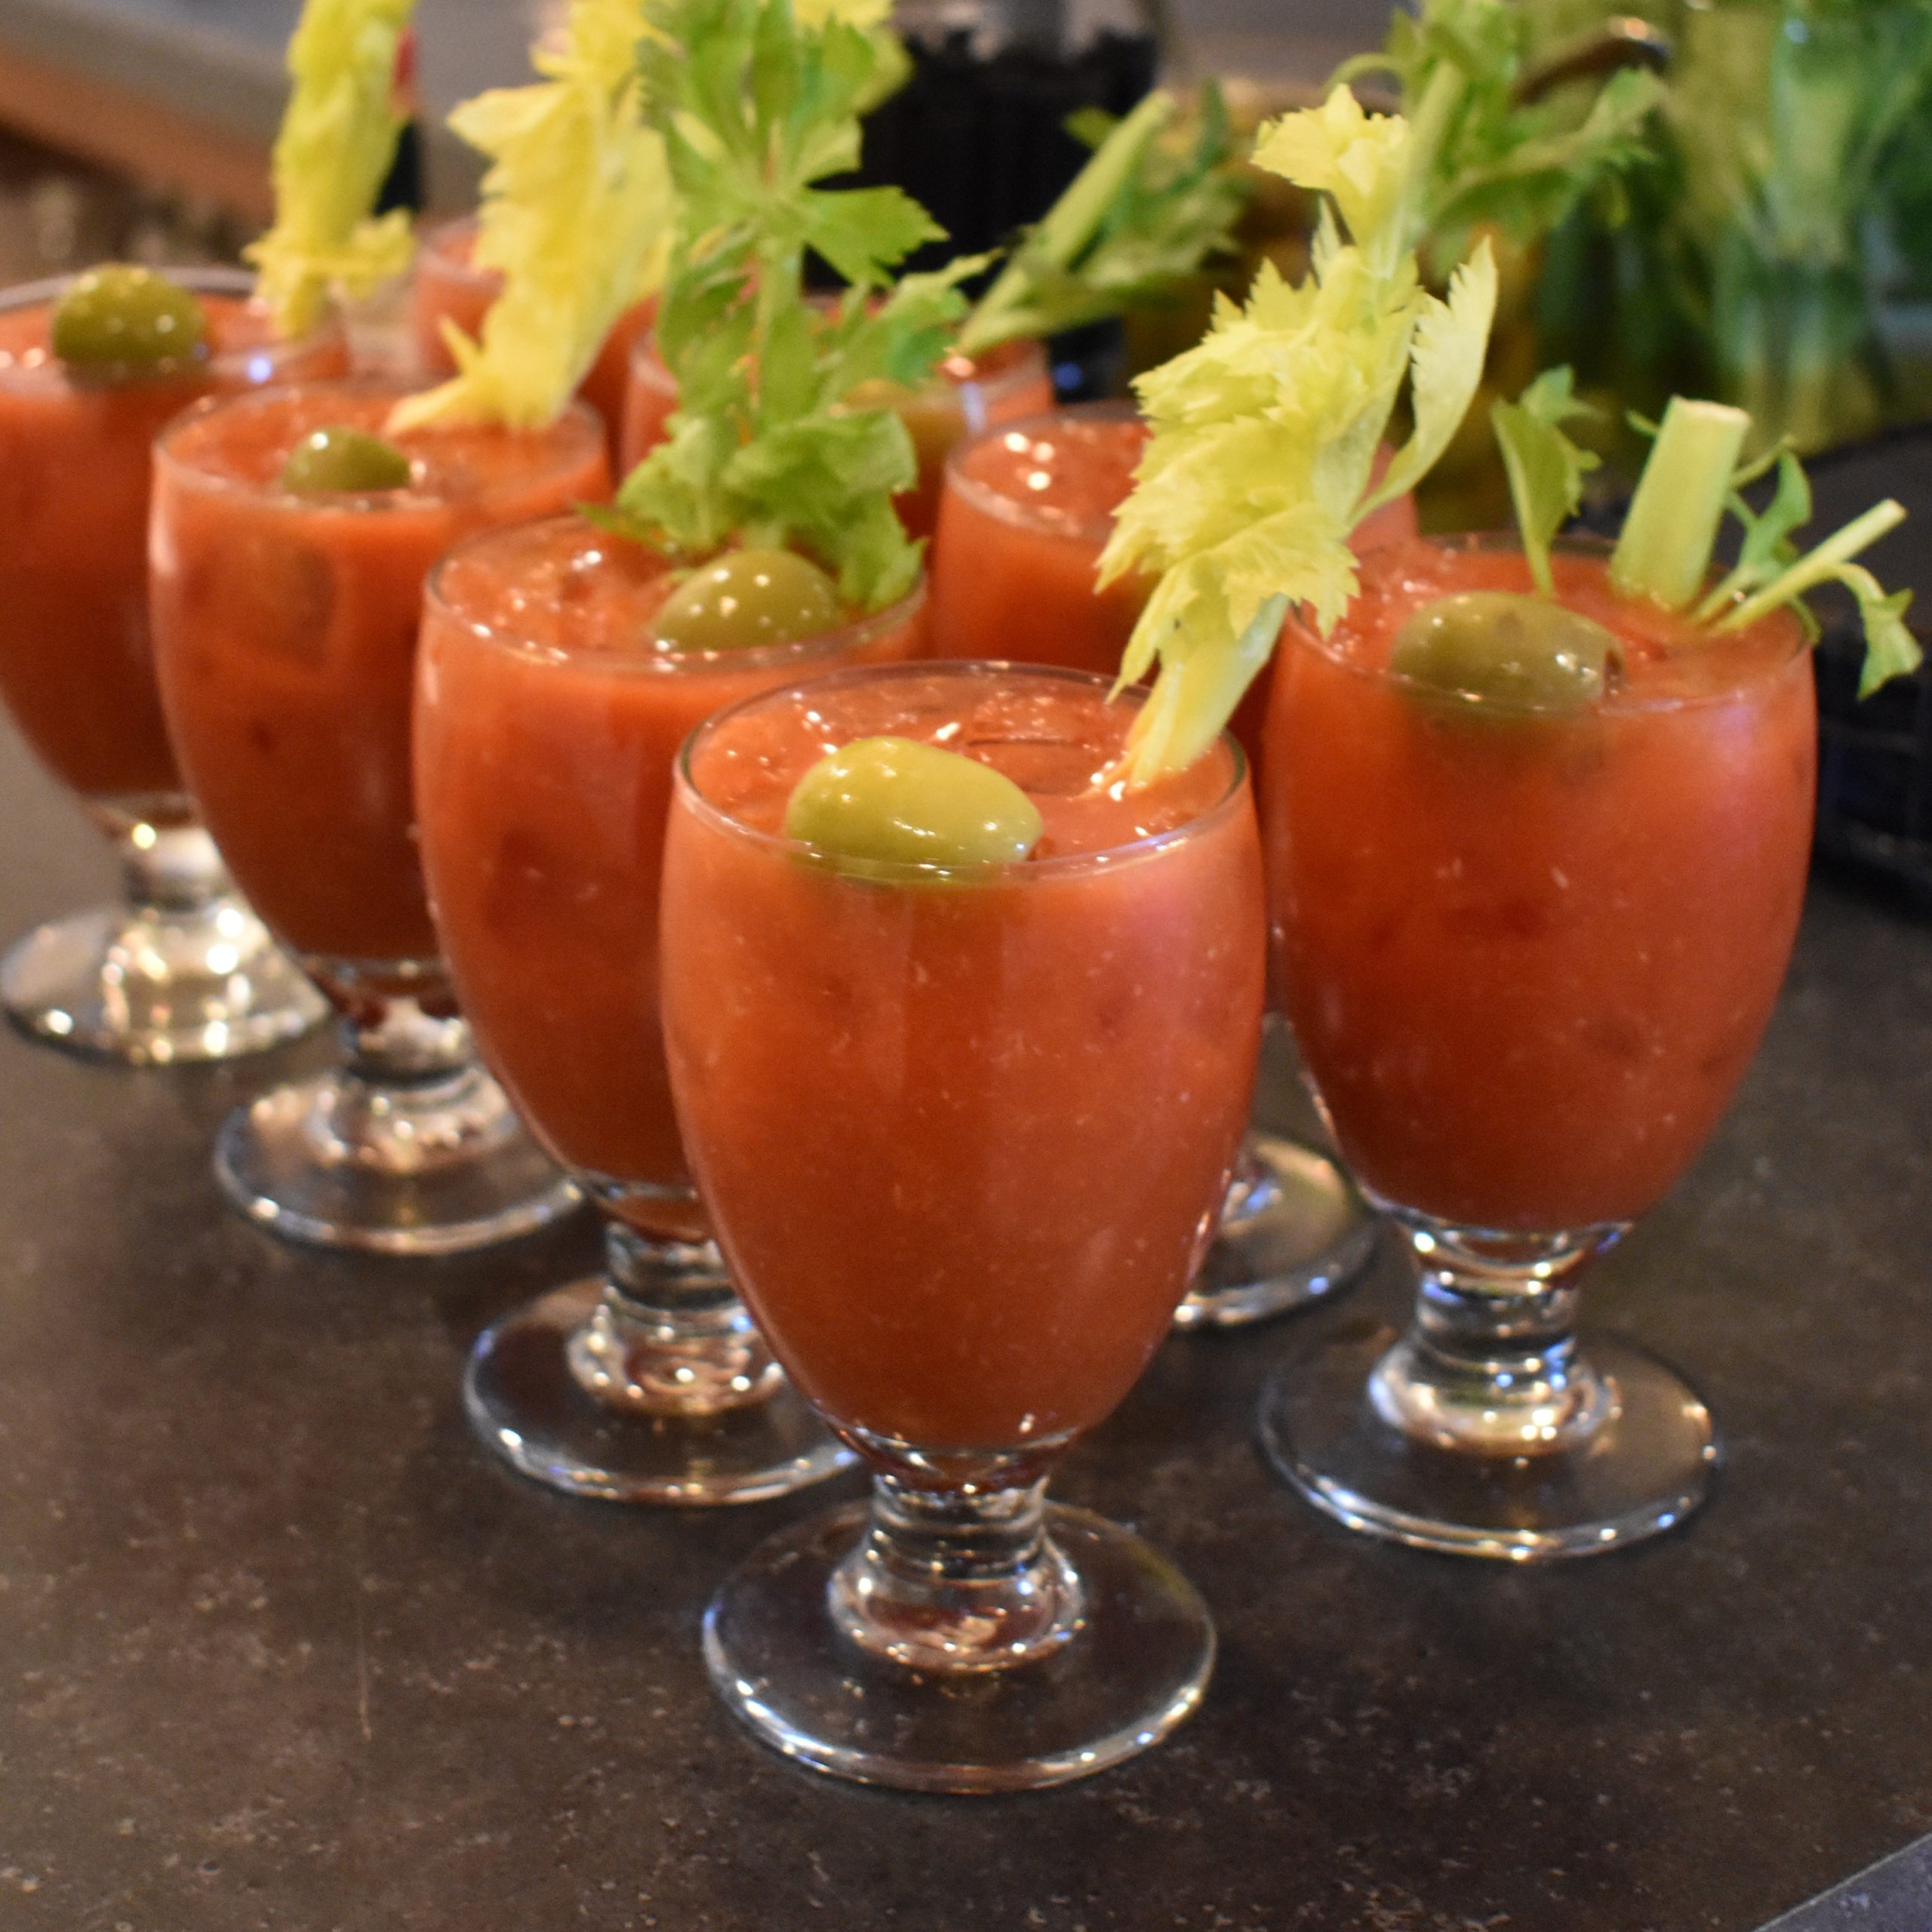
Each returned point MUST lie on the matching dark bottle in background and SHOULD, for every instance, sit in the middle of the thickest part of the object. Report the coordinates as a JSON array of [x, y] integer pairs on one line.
[[976, 134]]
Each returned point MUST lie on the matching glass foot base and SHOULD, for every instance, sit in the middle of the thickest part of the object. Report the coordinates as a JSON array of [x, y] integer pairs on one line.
[[525, 1404], [1643, 1470], [1135, 1668], [154, 988], [333, 1163], [1294, 1231]]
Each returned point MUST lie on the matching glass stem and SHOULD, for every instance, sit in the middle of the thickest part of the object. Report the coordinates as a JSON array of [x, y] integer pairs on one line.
[[1491, 1364], [168, 870], [963, 1578], [670, 1336]]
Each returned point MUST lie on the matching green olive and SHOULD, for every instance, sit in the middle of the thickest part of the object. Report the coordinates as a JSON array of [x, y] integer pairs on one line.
[[1503, 650], [338, 460], [749, 598], [895, 802], [117, 321]]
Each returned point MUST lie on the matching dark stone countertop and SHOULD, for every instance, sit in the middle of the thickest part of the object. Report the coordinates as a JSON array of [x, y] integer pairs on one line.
[[282, 1649]]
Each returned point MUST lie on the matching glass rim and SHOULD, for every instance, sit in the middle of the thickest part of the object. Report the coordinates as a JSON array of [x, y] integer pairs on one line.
[[587, 424], [198, 278], [992, 502], [888, 872], [433, 241], [1296, 635], [854, 634]]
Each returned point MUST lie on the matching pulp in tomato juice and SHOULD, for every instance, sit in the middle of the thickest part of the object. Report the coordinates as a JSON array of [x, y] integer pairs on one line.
[[964, 1141], [76, 658], [544, 756], [1528, 957], [285, 628]]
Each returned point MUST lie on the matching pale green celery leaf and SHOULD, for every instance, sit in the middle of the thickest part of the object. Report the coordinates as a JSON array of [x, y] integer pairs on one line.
[[577, 217], [338, 139], [865, 233], [1545, 468], [676, 492], [1209, 621], [1451, 341], [1336, 150], [1822, 564], [1891, 650]]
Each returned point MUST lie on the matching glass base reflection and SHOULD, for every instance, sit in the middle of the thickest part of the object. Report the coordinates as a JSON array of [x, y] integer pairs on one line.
[[411, 1148], [582, 1390], [155, 987], [1293, 1232], [801, 1647], [1491, 1428]]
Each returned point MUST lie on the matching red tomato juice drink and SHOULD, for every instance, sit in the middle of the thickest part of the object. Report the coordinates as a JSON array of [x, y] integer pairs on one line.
[[77, 672], [448, 285], [1027, 511], [966, 395], [548, 722], [963, 1134], [286, 625], [1528, 950]]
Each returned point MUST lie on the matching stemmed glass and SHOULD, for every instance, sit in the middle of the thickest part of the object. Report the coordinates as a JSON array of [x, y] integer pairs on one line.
[[1528, 961], [285, 629], [547, 727], [963, 1134], [181, 969], [1026, 510]]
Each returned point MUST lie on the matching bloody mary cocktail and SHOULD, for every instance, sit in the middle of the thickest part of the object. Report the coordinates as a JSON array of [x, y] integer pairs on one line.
[[966, 395], [76, 664], [549, 717], [448, 286], [1528, 956], [181, 970], [547, 724], [964, 1130], [286, 610], [1536, 864], [925, 1117], [286, 630]]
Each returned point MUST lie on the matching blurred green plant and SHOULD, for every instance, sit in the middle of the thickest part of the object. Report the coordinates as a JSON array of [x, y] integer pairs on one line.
[[1746, 267]]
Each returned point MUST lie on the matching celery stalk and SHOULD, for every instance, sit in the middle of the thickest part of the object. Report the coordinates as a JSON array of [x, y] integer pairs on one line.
[[1817, 567], [1665, 551]]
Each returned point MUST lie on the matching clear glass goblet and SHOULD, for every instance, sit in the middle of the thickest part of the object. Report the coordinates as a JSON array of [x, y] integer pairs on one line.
[[285, 630], [1527, 961], [547, 727], [181, 969], [963, 1134]]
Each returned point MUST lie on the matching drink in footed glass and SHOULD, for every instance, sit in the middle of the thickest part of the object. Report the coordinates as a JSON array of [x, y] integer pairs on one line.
[[548, 719], [447, 284], [966, 395], [963, 1133], [1529, 939], [286, 621], [1027, 510], [181, 970]]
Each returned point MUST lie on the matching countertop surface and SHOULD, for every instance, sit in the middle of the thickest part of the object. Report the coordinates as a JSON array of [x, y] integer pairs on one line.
[[284, 1649]]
